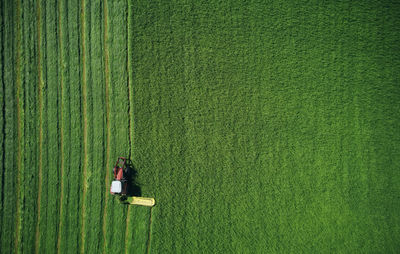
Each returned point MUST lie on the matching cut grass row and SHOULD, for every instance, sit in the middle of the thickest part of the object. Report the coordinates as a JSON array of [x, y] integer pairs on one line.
[[50, 196], [40, 124], [9, 135], [2, 113], [28, 188], [108, 140], [85, 124], [128, 230], [71, 66], [96, 126], [20, 123], [118, 115]]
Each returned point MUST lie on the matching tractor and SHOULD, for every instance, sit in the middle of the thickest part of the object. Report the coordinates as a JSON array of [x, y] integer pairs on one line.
[[120, 185]]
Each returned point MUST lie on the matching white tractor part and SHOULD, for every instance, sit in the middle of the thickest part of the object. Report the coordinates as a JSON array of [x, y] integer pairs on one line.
[[116, 187]]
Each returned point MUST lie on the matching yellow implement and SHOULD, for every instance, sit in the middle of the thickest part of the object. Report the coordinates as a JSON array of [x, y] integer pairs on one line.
[[138, 201]]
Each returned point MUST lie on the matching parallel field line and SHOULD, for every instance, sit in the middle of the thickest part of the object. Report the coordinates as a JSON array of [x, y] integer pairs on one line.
[[85, 136], [60, 36], [128, 67], [19, 155], [149, 236], [106, 62], [40, 95], [3, 109]]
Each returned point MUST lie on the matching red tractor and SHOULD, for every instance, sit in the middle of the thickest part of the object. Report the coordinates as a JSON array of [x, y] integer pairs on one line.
[[120, 183], [119, 186]]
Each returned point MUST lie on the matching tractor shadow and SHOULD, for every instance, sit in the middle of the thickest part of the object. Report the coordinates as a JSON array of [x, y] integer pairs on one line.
[[133, 185]]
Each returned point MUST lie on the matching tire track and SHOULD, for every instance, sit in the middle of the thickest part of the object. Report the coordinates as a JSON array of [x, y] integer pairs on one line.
[[149, 236], [40, 95], [19, 162], [107, 81], [129, 84], [85, 136], [60, 36], [130, 103], [126, 229]]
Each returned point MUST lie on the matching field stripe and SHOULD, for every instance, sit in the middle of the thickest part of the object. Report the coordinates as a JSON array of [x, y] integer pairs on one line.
[[129, 87], [148, 244], [72, 122], [43, 135], [130, 126], [8, 180], [2, 114], [130, 77], [51, 126], [62, 129], [107, 81], [96, 126], [85, 136], [127, 230], [40, 95], [19, 124], [118, 115], [28, 124], [9, 175]]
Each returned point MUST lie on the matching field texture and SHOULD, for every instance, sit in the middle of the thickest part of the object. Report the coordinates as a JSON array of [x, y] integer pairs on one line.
[[258, 126]]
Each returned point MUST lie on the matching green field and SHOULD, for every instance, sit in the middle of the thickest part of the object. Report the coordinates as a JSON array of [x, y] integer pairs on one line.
[[258, 126]]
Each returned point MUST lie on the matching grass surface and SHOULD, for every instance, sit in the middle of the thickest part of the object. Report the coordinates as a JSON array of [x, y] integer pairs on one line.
[[268, 127], [258, 127]]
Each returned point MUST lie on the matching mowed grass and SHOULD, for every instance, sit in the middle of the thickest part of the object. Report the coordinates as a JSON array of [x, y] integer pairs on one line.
[[259, 127], [268, 126]]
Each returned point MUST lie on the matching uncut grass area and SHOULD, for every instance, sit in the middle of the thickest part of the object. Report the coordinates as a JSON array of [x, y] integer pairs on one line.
[[269, 127], [257, 126]]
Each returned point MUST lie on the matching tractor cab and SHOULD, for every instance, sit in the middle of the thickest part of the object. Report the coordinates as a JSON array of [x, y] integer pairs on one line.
[[120, 181]]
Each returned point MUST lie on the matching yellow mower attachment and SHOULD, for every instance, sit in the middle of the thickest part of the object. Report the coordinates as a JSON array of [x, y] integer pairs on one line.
[[137, 201]]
